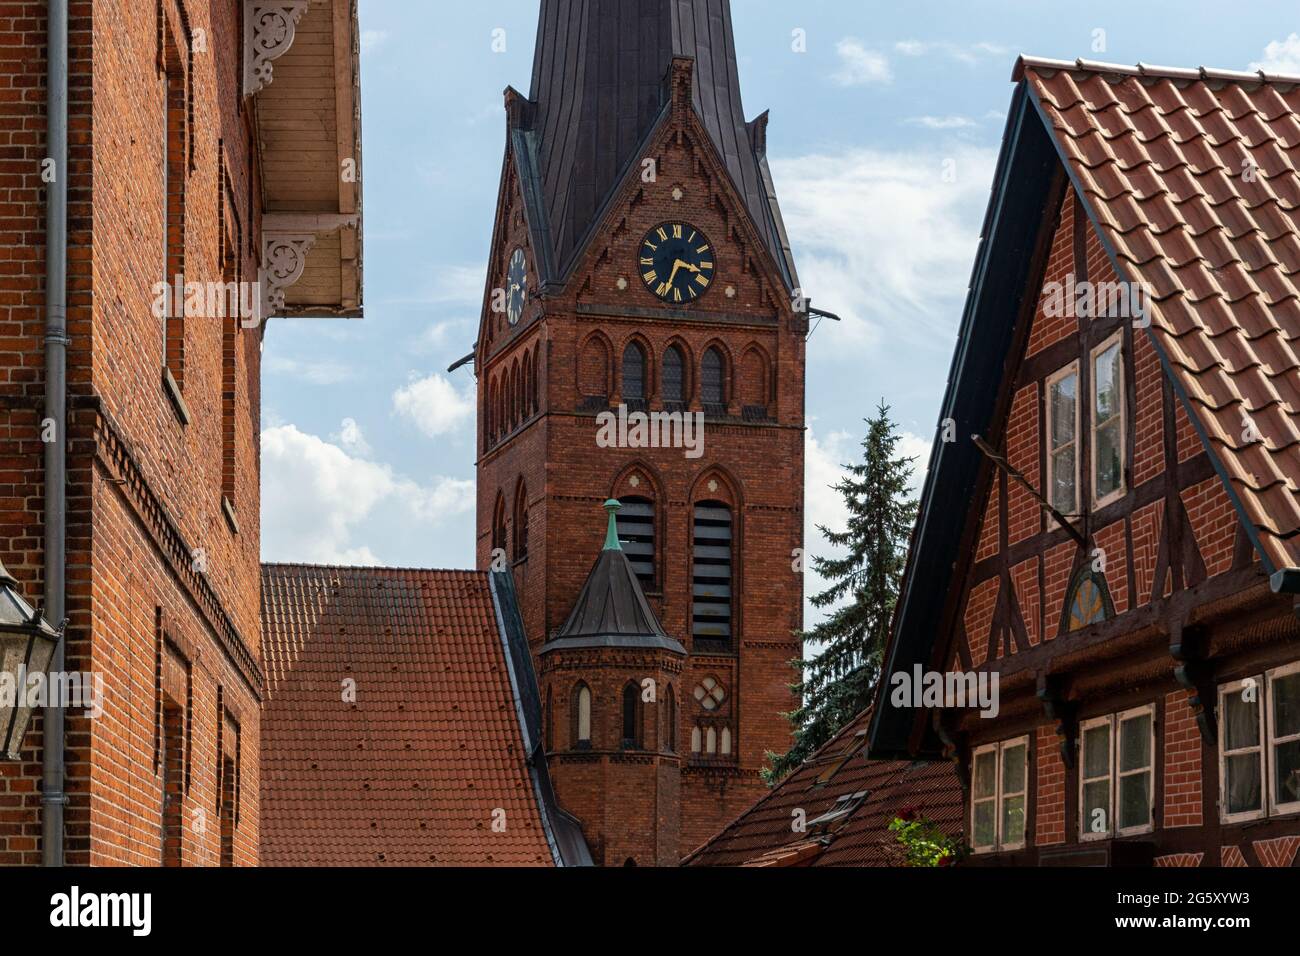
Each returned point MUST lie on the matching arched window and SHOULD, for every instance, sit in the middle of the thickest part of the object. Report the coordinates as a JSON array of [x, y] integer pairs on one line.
[[532, 383], [725, 745], [696, 742], [593, 373], [631, 723], [674, 384], [636, 532], [711, 574], [711, 741], [713, 380], [581, 731], [525, 387], [670, 721], [489, 418], [514, 396], [499, 526], [1089, 601], [521, 522], [634, 390]]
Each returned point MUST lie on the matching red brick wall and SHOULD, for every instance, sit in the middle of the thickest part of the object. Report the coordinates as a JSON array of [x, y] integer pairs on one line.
[[1060, 263], [754, 467], [1214, 523], [1049, 821], [143, 522], [1182, 763]]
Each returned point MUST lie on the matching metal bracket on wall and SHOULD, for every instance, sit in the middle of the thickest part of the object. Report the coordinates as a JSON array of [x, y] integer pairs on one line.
[[1187, 646], [1058, 709]]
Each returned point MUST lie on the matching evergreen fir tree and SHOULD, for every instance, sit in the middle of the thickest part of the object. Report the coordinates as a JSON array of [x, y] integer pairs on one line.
[[838, 683]]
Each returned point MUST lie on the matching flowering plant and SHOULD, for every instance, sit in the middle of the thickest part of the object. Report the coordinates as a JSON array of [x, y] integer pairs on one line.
[[924, 844]]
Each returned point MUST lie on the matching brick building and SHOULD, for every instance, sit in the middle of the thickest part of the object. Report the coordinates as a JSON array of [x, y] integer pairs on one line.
[[639, 263], [189, 164], [1129, 365], [649, 676]]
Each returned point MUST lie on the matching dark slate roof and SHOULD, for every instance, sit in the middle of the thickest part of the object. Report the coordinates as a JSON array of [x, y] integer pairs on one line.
[[599, 90], [443, 731], [611, 610], [849, 802]]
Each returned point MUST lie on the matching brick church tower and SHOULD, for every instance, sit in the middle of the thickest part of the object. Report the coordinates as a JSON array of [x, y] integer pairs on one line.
[[640, 267]]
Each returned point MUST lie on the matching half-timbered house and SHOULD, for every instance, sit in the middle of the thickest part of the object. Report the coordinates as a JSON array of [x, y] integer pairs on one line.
[[1123, 418]]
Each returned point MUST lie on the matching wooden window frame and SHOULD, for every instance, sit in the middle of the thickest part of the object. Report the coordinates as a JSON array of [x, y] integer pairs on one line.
[[1277, 808], [1085, 832], [1049, 450], [1114, 723], [1234, 687], [1149, 711], [999, 749], [1115, 341]]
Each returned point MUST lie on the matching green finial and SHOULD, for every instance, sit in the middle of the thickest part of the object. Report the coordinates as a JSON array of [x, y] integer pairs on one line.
[[611, 536]]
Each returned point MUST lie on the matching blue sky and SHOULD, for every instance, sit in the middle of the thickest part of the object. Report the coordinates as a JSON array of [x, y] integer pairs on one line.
[[368, 445]]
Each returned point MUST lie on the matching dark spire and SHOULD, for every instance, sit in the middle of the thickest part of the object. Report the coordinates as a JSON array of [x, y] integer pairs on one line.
[[599, 89], [611, 610]]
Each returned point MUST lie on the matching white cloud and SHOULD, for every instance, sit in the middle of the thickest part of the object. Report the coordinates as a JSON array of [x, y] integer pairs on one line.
[[964, 53], [316, 496], [434, 405], [860, 66], [1281, 56], [323, 372], [942, 122], [351, 437], [883, 240]]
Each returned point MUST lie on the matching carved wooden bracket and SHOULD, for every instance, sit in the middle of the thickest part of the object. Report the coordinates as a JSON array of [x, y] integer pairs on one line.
[[284, 258], [287, 238], [1057, 708], [1187, 646], [269, 28]]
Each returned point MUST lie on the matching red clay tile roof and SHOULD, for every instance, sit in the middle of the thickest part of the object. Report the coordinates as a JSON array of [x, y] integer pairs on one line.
[[1191, 176], [763, 836], [411, 773]]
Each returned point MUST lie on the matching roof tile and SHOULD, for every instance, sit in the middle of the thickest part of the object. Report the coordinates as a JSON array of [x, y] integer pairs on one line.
[[410, 773], [1192, 179]]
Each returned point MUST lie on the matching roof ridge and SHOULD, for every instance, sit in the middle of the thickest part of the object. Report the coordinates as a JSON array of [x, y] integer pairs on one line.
[[378, 568], [1027, 62]]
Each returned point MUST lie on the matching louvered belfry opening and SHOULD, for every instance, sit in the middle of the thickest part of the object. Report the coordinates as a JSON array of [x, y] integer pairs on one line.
[[636, 533], [711, 574]]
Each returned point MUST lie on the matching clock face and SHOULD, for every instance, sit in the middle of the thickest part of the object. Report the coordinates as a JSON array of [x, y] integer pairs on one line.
[[516, 287], [676, 262]]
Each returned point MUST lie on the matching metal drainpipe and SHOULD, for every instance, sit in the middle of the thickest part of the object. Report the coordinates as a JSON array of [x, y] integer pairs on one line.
[[56, 381]]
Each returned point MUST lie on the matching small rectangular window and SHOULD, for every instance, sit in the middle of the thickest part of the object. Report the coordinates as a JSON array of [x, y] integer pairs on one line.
[[1062, 440], [1107, 423], [1284, 738], [999, 791], [1117, 774], [1241, 749]]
